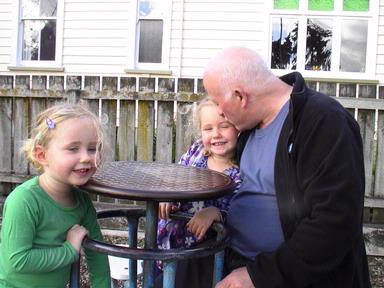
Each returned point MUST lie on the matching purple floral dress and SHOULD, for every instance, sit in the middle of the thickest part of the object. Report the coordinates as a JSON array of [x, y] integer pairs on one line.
[[173, 233]]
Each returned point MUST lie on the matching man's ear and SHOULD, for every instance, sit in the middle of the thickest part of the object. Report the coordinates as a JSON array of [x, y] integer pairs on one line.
[[40, 156], [242, 97]]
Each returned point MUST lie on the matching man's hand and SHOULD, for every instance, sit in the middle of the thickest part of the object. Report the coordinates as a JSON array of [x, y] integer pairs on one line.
[[238, 278]]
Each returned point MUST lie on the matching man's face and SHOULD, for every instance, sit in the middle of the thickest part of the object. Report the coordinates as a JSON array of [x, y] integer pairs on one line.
[[228, 105]]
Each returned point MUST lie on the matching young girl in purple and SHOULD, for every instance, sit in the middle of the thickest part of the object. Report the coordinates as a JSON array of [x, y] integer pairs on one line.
[[214, 150]]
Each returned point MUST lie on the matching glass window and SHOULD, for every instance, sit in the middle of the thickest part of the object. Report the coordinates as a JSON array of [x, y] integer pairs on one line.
[[151, 41], [284, 43], [39, 30], [319, 44], [151, 16], [331, 36], [353, 48]]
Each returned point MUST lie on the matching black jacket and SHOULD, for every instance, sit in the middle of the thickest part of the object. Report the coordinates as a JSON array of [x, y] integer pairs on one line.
[[319, 180]]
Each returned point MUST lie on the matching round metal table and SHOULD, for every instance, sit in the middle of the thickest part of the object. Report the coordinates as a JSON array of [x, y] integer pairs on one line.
[[155, 182]]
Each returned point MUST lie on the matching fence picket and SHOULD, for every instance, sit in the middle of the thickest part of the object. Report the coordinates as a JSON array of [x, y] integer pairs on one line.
[[145, 128], [38, 105], [108, 115], [366, 120], [164, 131], [184, 128], [6, 134], [126, 131], [379, 175], [21, 132]]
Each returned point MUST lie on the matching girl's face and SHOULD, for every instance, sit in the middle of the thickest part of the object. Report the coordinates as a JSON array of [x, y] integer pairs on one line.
[[218, 135], [70, 157]]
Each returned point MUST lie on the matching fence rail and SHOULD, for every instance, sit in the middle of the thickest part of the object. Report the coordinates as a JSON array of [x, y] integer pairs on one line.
[[150, 119]]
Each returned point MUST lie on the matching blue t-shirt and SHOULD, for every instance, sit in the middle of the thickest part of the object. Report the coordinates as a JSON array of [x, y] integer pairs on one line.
[[253, 217]]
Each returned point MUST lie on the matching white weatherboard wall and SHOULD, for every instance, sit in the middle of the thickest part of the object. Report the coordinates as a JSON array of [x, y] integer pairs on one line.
[[209, 26], [380, 46], [99, 35], [96, 38], [6, 23]]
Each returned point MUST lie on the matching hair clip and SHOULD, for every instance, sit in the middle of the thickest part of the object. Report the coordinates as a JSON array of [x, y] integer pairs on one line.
[[50, 123]]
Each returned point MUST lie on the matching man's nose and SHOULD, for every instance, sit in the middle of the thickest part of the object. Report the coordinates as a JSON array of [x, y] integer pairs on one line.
[[221, 113]]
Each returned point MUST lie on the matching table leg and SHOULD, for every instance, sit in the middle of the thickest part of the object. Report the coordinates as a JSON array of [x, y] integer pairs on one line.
[[132, 242], [150, 242], [218, 267], [169, 274]]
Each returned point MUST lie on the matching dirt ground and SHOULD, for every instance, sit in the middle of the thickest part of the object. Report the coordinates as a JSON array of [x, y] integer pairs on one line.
[[376, 270]]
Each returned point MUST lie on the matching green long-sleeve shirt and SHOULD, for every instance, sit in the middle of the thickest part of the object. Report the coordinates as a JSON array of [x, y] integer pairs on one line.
[[33, 248]]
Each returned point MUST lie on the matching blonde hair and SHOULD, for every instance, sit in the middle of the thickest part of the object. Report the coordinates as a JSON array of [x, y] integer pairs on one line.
[[205, 102], [44, 125]]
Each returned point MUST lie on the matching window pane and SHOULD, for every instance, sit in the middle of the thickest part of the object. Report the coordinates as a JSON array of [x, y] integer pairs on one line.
[[48, 41], [284, 43], [356, 5], [286, 4], [39, 40], [151, 41], [353, 45], [319, 44], [39, 8], [31, 8], [31, 40], [48, 8], [320, 5], [150, 8]]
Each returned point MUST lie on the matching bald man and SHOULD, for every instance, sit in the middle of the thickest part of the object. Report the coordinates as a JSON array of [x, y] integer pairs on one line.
[[297, 218]]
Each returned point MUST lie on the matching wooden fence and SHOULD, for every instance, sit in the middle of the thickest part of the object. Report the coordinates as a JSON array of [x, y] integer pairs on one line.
[[150, 119]]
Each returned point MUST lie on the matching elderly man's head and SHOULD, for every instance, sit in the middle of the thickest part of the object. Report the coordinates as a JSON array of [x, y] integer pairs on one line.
[[233, 79]]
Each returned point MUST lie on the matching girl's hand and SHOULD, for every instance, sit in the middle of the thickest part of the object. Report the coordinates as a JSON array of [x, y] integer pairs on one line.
[[76, 235], [202, 220], [165, 208]]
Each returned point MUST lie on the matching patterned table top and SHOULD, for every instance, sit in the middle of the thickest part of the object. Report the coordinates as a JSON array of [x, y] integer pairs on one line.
[[158, 181]]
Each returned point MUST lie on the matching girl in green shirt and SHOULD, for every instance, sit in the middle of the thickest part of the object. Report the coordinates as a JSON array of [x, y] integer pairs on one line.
[[46, 218]]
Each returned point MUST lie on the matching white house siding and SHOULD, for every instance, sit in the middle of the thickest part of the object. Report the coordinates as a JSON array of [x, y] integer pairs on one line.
[[95, 38], [98, 34], [380, 46], [209, 26], [6, 30]]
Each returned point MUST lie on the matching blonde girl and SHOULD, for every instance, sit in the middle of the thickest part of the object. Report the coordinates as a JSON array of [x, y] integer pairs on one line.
[[215, 149], [46, 218]]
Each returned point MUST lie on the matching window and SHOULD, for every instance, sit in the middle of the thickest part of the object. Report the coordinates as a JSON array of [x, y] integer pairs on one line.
[[37, 43], [152, 34], [324, 38]]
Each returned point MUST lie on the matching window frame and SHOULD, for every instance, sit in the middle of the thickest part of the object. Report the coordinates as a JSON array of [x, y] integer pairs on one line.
[[133, 61], [17, 52], [337, 15]]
